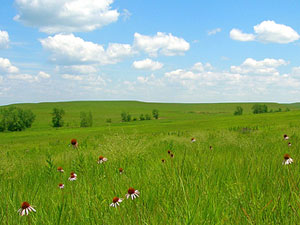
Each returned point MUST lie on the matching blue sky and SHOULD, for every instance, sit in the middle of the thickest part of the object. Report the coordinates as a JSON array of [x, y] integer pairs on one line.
[[163, 51]]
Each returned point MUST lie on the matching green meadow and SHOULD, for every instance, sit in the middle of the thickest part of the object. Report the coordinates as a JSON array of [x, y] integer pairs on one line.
[[241, 180]]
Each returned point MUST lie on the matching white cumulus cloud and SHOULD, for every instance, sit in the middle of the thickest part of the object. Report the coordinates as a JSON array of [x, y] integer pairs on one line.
[[67, 49], [44, 75], [4, 39], [238, 35], [162, 43], [72, 77], [268, 32], [264, 67], [55, 16], [147, 64], [6, 67]]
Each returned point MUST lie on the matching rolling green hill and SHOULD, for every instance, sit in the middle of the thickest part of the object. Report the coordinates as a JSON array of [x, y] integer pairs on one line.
[[240, 181]]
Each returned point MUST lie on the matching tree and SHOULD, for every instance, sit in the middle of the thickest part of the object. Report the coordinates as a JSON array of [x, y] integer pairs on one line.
[[258, 108], [57, 120], [147, 117], [86, 119], [15, 119], [126, 117], [155, 113], [238, 111], [142, 117]]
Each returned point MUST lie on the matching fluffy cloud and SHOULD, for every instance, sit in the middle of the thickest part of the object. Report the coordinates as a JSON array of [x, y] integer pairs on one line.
[[214, 31], [6, 67], [4, 39], [44, 75], [200, 67], [238, 35], [264, 67], [72, 77], [268, 32], [54, 16], [147, 64], [78, 69], [71, 50], [28, 77], [162, 43]]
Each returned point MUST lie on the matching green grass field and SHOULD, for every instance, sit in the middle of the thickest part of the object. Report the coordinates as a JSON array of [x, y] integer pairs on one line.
[[241, 181]]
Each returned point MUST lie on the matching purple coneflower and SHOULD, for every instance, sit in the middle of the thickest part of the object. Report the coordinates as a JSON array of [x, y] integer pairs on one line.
[[60, 169], [289, 144], [73, 176], [285, 137], [26, 208], [74, 143], [193, 139], [61, 186], [163, 160], [287, 159], [132, 193], [121, 170], [116, 202], [101, 159], [169, 151], [210, 147]]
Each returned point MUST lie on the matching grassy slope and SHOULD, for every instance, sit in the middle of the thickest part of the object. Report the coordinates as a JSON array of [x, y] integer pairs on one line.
[[241, 181]]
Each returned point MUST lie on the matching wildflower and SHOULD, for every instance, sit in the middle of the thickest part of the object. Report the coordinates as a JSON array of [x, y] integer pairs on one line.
[[285, 137], [116, 202], [120, 170], [74, 143], [172, 155], [101, 159], [61, 186], [169, 151], [287, 159], [162, 160], [26, 208], [210, 147], [193, 140], [73, 176], [132, 193], [60, 169], [289, 144]]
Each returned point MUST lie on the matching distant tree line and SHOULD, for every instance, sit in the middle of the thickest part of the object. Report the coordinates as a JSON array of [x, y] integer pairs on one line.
[[126, 117], [258, 109]]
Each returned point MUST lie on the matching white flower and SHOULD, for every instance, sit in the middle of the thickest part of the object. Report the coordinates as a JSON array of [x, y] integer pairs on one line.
[[132, 193], [287, 159], [60, 169], [116, 202], [26, 208], [61, 186], [193, 139], [101, 159], [73, 177]]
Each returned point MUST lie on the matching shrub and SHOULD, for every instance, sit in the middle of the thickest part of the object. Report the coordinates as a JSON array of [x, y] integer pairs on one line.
[[108, 120], [287, 110], [147, 117], [57, 120], [15, 119], [86, 119], [238, 111], [155, 113], [258, 108], [126, 117], [142, 117]]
